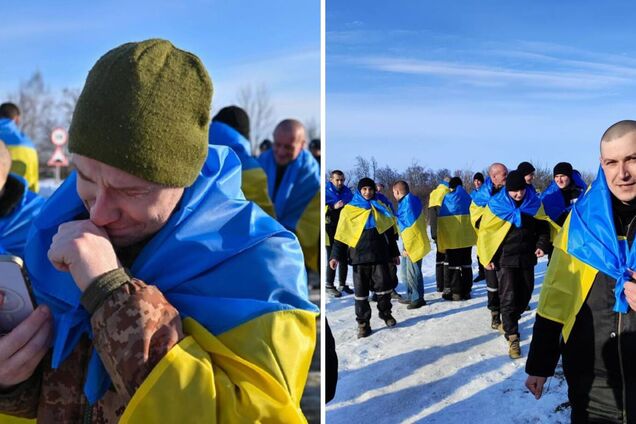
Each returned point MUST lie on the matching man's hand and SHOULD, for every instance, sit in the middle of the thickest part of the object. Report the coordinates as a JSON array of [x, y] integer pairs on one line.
[[338, 204], [630, 292], [84, 250], [490, 266], [535, 385], [24, 347], [539, 253], [396, 260], [405, 253], [333, 264]]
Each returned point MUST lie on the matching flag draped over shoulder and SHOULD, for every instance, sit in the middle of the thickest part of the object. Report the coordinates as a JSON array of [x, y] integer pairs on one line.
[[253, 178], [588, 243], [218, 260], [333, 195], [437, 195], [480, 199], [454, 229], [411, 222], [24, 156], [361, 214], [552, 198], [15, 226], [499, 215], [297, 200]]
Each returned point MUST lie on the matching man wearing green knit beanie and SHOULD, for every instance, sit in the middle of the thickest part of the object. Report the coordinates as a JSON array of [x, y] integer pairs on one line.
[[138, 265]]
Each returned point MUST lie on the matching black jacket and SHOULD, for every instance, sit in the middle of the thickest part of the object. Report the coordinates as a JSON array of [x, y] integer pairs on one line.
[[518, 247], [601, 380], [331, 222], [372, 248]]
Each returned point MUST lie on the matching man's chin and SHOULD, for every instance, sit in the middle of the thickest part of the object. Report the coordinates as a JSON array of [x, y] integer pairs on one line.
[[625, 195]]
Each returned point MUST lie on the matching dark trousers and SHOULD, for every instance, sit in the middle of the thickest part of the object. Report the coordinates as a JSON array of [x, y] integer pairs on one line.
[[460, 272], [376, 277], [331, 273], [440, 269], [492, 286], [481, 271], [515, 291]]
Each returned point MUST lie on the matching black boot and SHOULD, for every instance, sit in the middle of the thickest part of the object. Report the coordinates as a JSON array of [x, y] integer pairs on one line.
[[332, 291], [364, 329], [346, 289], [495, 321], [389, 320]]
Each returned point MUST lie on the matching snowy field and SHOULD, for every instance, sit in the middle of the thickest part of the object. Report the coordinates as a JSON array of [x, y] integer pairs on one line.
[[442, 363]]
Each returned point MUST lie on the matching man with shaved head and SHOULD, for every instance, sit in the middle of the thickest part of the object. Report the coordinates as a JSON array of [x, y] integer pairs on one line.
[[586, 311], [293, 183], [18, 206], [497, 173]]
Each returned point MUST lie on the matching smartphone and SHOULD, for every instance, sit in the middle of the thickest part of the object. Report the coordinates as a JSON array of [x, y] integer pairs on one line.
[[14, 284]]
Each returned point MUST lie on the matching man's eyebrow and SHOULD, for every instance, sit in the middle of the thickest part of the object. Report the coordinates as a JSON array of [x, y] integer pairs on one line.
[[83, 175]]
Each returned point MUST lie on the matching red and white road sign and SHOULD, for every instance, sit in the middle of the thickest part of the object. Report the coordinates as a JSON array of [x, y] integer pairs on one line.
[[59, 136], [58, 158]]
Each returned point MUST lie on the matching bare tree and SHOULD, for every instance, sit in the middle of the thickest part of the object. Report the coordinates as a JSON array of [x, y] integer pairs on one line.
[[258, 105], [312, 129]]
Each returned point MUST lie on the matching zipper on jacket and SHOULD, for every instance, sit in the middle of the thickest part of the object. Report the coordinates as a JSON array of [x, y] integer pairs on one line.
[[620, 364]]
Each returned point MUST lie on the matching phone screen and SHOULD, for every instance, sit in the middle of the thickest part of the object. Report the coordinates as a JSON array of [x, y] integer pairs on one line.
[[17, 305]]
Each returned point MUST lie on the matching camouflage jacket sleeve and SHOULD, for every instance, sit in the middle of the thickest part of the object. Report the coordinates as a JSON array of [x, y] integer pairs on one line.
[[22, 400], [134, 326]]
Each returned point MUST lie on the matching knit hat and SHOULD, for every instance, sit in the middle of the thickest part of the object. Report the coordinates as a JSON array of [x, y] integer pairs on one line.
[[478, 176], [314, 144], [564, 168], [454, 182], [525, 168], [236, 118], [515, 181], [366, 182], [145, 109]]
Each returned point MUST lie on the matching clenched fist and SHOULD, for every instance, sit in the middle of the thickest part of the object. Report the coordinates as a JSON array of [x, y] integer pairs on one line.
[[84, 250]]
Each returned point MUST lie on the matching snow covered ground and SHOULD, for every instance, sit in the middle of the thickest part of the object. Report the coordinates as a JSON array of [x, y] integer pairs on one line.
[[442, 363]]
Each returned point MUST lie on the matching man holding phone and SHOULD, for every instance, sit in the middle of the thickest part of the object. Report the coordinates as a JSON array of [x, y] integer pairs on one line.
[[139, 263]]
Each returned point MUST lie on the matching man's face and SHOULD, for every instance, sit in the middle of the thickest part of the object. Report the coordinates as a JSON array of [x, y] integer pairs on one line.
[[562, 180], [618, 160], [337, 180], [477, 184], [288, 145], [379, 188], [529, 178], [517, 195], [129, 208], [498, 177], [367, 192]]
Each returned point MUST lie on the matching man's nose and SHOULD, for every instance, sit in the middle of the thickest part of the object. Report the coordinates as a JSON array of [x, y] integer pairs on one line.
[[104, 211]]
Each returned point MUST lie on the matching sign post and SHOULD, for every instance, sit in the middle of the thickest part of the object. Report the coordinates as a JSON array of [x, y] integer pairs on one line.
[[59, 138]]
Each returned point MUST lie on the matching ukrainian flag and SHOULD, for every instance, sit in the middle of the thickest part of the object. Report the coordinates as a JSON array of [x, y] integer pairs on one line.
[[361, 214], [24, 156], [412, 225], [454, 229], [552, 198], [437, 195], [587, 244], [480, 199], [297, 201], [499, 215], [237, 278], [253, 178], [333, 196]]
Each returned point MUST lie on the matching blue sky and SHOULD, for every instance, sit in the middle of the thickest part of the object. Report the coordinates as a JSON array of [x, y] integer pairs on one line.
[[460, 84], [276, 43]]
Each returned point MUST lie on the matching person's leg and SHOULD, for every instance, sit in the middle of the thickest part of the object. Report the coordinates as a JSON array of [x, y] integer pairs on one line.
[[526, 288], [416, 285], [382, 277], [508, 296], [419, 279], [440, 258], [467, 272], [343, 269], [330, 289], [361, 283], [492, 287]]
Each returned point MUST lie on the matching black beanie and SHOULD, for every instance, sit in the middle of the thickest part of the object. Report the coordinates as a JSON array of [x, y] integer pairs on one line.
[[515, 181], [236, 118], [478, 176], [454, 182], [366, 182], [564, 168], [525, 168], [314, 144]]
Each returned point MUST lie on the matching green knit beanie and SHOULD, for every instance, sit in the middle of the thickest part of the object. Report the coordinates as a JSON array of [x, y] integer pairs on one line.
[[145, 109]]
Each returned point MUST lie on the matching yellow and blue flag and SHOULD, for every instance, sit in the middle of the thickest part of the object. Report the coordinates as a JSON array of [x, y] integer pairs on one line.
[[411, 222], [333, 195], [297, 200], [24, 156], [552, 198], [480, 199], [499, 215], [454, 229], [253, 178], [591, 238], [361, 214], [437, 195], [218, 260]]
